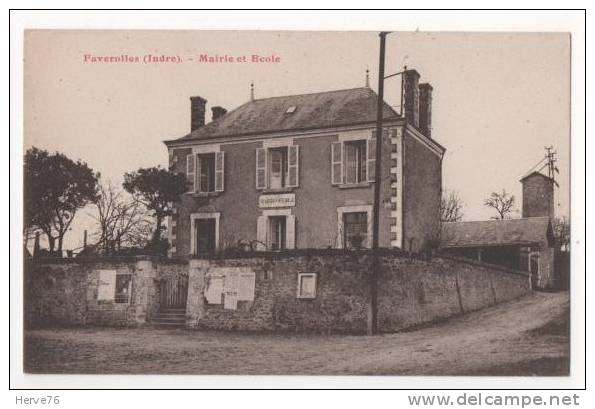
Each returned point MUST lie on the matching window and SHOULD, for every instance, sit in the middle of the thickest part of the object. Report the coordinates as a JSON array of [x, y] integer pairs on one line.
[[206, 169], [306, 285], [205, 172], [355, 229], [275, 230], [277, 168], [353, 162], [123, 286], [277, 233]]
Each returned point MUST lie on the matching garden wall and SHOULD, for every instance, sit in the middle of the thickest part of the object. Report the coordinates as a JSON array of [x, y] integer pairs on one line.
[[261, 292], [413, 292], [66, 292]]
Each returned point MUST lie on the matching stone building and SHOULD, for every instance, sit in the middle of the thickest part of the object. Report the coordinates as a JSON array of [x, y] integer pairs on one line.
[[526, 244], [298, 172]]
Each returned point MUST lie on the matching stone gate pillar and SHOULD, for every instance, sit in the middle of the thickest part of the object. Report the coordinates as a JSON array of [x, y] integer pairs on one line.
[[144, 289], [195, 305]]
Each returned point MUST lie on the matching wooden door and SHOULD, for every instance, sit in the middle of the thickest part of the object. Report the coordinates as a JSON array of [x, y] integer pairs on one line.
[[174, 291]]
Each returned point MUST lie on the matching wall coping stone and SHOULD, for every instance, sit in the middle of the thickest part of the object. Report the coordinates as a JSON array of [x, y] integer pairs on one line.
[[484, 264], [223, 255], [298, 253], [102, 259]]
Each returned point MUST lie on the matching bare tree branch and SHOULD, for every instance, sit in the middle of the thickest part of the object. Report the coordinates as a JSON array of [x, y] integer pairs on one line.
[[451, 207], [561, 229], [121, 221], [502, 202]]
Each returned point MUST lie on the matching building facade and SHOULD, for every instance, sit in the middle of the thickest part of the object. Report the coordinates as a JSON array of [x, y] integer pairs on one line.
[[298, 172]]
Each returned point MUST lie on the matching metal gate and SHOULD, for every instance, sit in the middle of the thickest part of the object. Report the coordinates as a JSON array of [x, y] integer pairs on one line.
[[174, 291]]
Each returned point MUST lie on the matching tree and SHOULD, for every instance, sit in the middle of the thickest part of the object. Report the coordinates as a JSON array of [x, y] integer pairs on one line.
[[121, 221], [502, 202], [55, 188], [157, 189], [451, 207], [561, 228]]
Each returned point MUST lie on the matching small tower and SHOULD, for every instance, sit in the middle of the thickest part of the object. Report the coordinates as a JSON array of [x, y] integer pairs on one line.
[[538, 195], [251, 91]]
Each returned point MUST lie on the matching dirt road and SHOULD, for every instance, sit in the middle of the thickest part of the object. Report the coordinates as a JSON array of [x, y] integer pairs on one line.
[[528, 336]]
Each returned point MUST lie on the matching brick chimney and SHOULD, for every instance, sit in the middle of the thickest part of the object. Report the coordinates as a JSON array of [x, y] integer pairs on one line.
[[538, 195], [411, 96], [425, 109], [197, 112], [218, 112]]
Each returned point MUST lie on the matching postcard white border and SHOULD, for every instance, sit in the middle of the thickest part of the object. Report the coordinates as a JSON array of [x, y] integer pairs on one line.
[[331, 20]]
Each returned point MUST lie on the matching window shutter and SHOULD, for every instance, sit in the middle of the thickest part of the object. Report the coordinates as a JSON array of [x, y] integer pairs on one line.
[[261, 168], [261, 233], [290, 232], [371, 153], [190, 170], [293, 170], [337, 163], [197, 174], [219, 171]]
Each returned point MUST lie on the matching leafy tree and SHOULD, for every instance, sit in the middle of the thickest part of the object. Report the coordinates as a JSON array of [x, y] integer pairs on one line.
[[157, 189], [55, 188], [451, 207], [502, 202]]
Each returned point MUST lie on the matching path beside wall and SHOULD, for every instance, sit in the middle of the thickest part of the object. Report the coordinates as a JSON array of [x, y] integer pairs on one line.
[[302, 291]]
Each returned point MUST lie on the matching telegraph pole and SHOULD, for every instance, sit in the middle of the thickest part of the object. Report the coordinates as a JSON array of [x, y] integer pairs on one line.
[[372, 326], [551, 161]]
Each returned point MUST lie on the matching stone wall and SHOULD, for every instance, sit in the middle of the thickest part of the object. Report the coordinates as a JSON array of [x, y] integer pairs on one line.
[[411, 291], [65, 292], [339, 305]]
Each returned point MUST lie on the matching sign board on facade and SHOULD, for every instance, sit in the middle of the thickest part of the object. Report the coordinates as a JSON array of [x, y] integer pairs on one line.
[[272, 201]]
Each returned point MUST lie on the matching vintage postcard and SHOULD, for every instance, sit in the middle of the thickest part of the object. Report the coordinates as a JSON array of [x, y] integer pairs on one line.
[[244, 202]]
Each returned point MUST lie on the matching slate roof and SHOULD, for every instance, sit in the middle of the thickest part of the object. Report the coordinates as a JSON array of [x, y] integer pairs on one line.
[[528, 230], [318, 110]]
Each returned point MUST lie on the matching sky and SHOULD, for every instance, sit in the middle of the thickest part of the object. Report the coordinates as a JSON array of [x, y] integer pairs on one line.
[[499, 98]]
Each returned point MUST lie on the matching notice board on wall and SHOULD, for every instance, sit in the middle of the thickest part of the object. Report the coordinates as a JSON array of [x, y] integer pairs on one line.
[[232, 284], [106, 290]]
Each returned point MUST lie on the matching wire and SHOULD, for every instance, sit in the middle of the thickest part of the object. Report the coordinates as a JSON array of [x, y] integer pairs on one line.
[[536, 165]]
